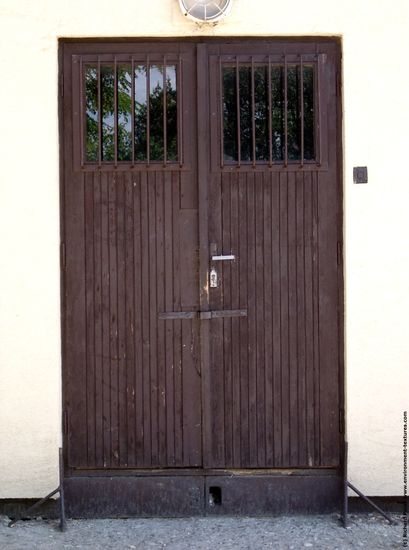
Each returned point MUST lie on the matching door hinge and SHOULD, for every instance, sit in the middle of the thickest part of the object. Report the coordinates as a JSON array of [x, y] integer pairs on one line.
[[341, 421], [65, 422], [62, 255], [339, 253]]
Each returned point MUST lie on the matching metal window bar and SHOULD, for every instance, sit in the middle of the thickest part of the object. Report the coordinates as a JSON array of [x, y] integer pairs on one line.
[[179, 105], [238, 113], [164, 114], [148, 95], [253, 114], [285, 113], [82, 112], [133, 110], [115, 113], [270, 126], [99, 114], [302, 109], [221, 113]]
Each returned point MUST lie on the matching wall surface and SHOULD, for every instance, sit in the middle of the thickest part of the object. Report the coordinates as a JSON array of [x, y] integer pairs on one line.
[[376, 119]]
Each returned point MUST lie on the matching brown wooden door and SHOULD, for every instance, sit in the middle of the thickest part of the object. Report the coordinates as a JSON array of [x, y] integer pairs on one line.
[[176, 153], [132, 377], [274, 204]]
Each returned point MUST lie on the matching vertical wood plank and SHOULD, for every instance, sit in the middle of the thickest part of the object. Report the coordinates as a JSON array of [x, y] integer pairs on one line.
[[301, 341], [75, 345], [284, 321], [236, 275], [276, 319], [177, 330], [90, 315], [192, 427], [316, 320], [130, 320], [268, 318], [226, 323], [252, 320], [113, 317], [138, 197], [216, 367], [121, 337], [259, 290], [106, 352], [98, 323], [145, 320], [161, 367], [153, 313], [244, 322], [169, 325], [328, 351], [292, 318], [309, 318]]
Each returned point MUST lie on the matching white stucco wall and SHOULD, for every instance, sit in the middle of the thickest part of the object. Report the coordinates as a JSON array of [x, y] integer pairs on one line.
[[376, 122]]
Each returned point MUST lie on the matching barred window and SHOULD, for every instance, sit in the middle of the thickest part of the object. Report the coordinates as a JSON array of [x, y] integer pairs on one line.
[[130, 112], [268, 112]]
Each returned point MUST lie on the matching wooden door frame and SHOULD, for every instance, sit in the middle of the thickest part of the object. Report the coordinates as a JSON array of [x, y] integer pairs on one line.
[[197, 478]]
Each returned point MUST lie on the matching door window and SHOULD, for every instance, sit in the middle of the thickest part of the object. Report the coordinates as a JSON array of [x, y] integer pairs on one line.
[[130, 112], [268, 112]]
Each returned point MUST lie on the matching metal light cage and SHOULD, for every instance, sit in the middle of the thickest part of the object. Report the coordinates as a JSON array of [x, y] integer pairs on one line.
[[205, 11]]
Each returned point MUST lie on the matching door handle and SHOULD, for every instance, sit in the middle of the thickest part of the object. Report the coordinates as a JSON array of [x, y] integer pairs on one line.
[[203, 315], [223, 257]]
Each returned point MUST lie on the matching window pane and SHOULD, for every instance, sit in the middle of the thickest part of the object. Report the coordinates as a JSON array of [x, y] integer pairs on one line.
[[156, 113], [309, 115], [148, 108], [246, 141], [293, 113], [171, 113], [140, 112], [229, 114], [124, 112], [261, 112], [108, 110], [91, 113], [277, 115]]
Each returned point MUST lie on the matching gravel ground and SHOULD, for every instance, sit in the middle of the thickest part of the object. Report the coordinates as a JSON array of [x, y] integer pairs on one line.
[[368, 531]]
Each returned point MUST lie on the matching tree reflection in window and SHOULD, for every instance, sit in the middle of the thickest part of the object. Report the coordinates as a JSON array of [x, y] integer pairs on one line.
[[150, 117], [250, 98], [91, 99]]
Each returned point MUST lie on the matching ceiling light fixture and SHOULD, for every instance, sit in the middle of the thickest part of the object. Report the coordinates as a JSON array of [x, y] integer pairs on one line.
[[205, 11]]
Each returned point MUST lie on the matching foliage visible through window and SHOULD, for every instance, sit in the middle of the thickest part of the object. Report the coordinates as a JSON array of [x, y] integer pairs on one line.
[[121, 115], [246, 117]]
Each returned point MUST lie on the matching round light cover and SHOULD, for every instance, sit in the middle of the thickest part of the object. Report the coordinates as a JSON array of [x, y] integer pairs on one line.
[[205, 10]]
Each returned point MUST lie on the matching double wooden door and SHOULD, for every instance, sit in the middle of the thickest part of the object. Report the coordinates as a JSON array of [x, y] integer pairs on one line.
[[201, 255]]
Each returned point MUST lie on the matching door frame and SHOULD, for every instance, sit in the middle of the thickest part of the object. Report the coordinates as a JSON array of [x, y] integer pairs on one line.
[[180, 481]]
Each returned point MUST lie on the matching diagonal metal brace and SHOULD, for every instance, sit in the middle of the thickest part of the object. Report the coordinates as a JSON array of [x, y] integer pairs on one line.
[[60, 489], [349, 485], [371, 502]]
